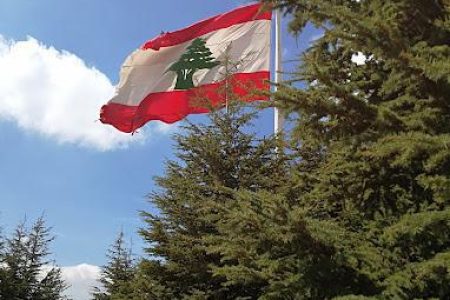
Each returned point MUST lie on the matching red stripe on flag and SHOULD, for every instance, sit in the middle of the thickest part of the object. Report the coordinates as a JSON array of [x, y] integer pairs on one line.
[[237, 16], [170, 107]]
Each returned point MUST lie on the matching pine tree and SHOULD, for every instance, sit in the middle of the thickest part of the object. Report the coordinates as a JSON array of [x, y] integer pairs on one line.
[[366, 213], [118, 274], [26, 273], [214, 162]]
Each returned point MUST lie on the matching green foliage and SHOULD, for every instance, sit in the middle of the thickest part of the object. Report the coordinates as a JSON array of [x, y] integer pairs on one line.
[[25, 273], [214, 163], [374, 143], [117, 276]]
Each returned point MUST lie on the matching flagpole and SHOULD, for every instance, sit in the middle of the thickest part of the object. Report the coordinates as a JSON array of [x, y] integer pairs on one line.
[[278, 116]]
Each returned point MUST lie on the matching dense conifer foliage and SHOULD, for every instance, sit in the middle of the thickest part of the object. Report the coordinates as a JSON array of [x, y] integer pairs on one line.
[[25, 271], [373, 184], [216, 161]]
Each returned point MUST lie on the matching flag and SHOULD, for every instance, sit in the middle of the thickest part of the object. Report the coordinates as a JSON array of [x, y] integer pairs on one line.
[[159, 80]]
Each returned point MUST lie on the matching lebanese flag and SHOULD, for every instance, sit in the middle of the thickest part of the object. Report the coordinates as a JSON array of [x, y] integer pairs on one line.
[[162, 79]]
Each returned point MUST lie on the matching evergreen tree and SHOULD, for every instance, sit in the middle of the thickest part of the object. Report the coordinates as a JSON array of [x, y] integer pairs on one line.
[[214, 162], [118, 274], [366, 211], [26, 273]]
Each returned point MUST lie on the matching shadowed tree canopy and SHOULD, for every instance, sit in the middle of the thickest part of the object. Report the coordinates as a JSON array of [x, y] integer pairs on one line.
[[373, 136]]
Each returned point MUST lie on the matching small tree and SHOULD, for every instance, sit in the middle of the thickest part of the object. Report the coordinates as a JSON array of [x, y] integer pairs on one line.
[[26, 273], [215, 161], [196, 57], [118, 274]]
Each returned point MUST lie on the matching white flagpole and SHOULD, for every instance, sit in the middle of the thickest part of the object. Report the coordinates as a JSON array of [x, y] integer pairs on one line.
[[278, 65]]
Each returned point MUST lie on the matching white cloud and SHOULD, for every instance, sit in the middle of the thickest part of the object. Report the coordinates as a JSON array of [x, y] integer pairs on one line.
[[81, 278], [54, 93]]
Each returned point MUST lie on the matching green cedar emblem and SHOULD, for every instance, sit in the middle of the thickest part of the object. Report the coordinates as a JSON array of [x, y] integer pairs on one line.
[[196, 57]]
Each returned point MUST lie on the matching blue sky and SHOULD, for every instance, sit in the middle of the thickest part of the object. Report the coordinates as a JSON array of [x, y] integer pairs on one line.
[[58, 60]]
